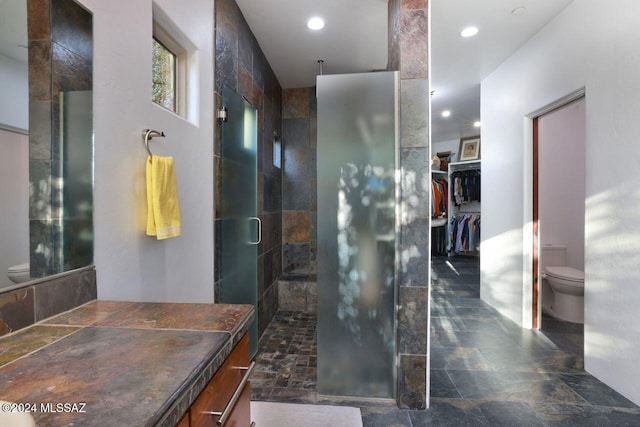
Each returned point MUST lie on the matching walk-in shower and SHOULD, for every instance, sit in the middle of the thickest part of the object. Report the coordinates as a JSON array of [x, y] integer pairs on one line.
[[357, 234]]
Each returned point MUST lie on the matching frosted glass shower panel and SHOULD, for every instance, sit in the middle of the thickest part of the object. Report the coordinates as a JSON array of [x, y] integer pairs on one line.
[[357, 234], [76, 161], [239, 206]]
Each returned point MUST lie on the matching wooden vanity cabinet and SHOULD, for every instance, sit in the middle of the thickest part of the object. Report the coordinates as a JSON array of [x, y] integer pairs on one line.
[[184, 421], [218, 392]]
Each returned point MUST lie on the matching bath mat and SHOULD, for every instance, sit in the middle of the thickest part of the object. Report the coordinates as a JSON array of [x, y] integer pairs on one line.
[[274, 414]]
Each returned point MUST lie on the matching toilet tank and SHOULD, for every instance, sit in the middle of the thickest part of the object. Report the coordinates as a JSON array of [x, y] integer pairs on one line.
[[552, 255]]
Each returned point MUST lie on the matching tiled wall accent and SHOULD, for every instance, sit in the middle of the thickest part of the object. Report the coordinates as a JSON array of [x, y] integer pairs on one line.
[[241, 65], [24, 307], [299, 199], [409, 54], [298, 296], [60, 59]]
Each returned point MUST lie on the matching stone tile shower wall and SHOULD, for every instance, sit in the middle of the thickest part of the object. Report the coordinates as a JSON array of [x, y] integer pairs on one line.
[[60, 60], [241, 65], [297, 287], [408, 53], [292, 217]]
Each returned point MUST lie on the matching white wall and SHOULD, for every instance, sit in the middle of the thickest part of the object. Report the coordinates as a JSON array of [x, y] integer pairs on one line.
[[129, 264], [561, 179], [591, 44], [14, 90], [14, 199]]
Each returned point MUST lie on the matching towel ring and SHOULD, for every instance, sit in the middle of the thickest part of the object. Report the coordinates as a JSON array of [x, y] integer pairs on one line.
[[148, 135]]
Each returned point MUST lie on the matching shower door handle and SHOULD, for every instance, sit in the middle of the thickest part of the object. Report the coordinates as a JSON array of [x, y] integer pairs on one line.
[[259, 230]]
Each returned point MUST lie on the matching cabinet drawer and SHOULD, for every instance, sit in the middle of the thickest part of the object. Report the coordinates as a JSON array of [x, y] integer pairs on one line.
[[218, 392], [241, 414]]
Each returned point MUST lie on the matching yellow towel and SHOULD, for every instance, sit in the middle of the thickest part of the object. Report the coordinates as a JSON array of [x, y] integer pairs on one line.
[[163, 217]]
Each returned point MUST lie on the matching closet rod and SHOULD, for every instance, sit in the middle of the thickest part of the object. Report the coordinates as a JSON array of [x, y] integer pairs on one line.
[[475, 165]]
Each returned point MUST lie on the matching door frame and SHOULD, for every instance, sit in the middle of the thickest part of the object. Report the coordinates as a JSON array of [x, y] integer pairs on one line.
[[534, 241]]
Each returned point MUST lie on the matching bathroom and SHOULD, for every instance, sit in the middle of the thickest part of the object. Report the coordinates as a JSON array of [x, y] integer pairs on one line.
[[137, 268], [131, 266], [561, 209]]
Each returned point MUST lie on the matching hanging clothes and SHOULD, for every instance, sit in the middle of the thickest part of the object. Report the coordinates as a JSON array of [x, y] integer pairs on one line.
[[466, 186], [439, 197], [465, 233], [439, 209]]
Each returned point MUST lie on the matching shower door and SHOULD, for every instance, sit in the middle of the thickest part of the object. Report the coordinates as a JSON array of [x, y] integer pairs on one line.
[[357, 231], [241, 230], [76, 161]]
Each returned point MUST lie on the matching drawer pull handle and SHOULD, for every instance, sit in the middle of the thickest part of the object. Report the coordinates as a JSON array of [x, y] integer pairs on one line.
[[236, 395]]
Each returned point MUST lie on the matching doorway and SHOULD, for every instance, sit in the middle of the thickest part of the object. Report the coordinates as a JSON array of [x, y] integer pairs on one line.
[[558, 214]]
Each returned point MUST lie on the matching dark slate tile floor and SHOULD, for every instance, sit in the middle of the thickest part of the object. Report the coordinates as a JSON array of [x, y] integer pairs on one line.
[[287, 359], [485, 370]]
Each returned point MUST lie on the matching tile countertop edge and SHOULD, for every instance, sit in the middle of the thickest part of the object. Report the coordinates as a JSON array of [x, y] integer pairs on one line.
[[243, 326], [181, 400]]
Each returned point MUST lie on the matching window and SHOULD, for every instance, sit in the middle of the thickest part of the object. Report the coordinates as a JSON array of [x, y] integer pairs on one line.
[[277, 151], [164, 76], [172, 59]]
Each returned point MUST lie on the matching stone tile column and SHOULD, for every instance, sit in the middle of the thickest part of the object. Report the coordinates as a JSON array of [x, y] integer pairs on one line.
[[408, 53]]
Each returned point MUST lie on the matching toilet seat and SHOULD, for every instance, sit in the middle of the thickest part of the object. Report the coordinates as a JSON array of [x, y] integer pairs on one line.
[[20, 268], [568, 274]]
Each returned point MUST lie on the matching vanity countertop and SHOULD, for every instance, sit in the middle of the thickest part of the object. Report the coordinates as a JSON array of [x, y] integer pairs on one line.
[[119, 363]]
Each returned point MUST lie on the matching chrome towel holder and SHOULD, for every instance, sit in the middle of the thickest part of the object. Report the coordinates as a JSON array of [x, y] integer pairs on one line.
[[148, 135]]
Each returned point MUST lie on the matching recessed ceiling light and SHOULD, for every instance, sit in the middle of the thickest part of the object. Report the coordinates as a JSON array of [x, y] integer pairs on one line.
[[446, 113], [469, 32], [477, 124], [315, 23]]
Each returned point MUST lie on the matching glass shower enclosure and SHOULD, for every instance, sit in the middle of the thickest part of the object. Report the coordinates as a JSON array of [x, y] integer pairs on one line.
[[240, 228], [357, 234]]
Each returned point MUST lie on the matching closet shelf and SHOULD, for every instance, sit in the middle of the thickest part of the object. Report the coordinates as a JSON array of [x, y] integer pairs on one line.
[[468, 162]]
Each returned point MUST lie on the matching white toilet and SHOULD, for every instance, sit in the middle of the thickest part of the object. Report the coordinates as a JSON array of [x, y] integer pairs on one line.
[[562, 286], [19, 273]]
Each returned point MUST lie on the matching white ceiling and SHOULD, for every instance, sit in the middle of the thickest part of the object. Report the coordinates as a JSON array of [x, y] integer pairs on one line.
[[355, 40], [458, 65]]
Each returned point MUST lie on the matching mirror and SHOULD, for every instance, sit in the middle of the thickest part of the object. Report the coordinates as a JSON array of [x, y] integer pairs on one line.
[[46, 139]]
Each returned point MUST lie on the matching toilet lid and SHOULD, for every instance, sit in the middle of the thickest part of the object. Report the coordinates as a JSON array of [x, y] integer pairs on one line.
[[566, 273], [20, 268]]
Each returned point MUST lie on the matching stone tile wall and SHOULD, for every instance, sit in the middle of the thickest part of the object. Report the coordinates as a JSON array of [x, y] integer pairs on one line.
[[24, 307], [298, 295], [409, 54], [299, 198], [241, 65], [297, 291]]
